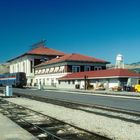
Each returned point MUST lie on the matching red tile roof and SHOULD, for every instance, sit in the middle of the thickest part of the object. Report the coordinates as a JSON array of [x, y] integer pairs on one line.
[[101, 74], [73, 57], [45, 51], [41, 50]]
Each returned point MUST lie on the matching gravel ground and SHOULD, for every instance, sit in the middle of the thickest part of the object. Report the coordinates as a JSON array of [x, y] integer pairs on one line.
[[113, 128]]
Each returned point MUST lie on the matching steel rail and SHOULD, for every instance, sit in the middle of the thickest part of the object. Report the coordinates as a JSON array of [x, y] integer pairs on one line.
[[50, 135]]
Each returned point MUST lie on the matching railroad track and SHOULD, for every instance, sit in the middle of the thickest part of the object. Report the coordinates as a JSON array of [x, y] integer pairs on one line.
[[42, 126], [125, 115]]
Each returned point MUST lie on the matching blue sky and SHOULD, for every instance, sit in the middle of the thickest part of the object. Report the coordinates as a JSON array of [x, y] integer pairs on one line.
[[98, 28]]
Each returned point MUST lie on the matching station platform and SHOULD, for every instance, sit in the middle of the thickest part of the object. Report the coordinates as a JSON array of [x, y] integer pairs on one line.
[[11, 131]]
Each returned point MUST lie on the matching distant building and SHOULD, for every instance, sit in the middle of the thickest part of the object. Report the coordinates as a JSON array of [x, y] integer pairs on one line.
[[27, 61], [47, 73], [4, 68]]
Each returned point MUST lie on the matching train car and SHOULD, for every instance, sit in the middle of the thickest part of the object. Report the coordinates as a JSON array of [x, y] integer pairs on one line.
[[15, 79]]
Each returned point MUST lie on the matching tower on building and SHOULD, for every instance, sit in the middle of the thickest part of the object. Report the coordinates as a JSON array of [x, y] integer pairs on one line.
[[119, 61]]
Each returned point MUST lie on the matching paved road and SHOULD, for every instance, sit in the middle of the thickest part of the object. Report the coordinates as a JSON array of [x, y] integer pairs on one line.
[[117, 102]]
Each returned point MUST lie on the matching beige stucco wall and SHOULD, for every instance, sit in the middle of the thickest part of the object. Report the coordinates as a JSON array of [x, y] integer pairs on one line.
[[48, 79], [108, 84]]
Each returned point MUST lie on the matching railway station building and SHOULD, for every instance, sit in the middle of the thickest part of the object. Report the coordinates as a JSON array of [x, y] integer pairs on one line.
[[47, 73], [27, 61], [48, 67]]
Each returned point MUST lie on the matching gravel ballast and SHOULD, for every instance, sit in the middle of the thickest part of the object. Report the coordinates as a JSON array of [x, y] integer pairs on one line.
[[112, 128]]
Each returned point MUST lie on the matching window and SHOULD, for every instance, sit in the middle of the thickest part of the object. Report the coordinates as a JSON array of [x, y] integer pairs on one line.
[[73, 82], [61, 69], [31, 82], [40, 81], [43, 81], [75, 68], [97, 68], [69, 82], [36, 81], [87, 68], [51, 70]]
